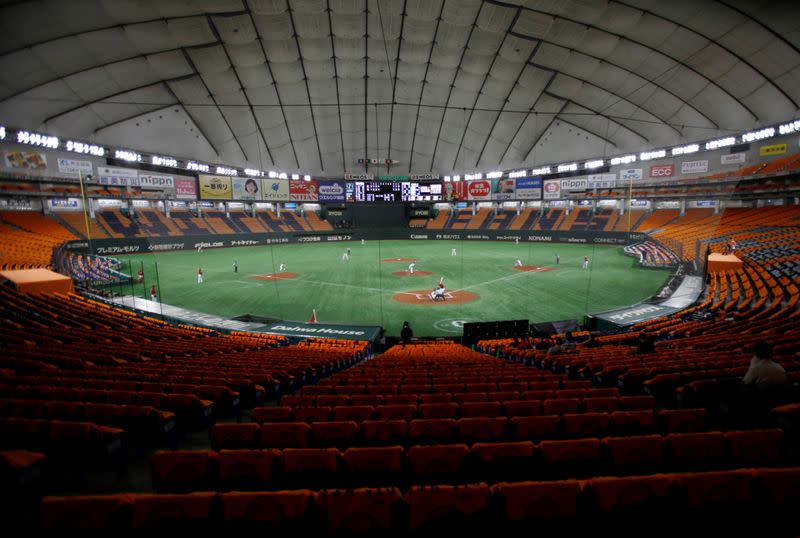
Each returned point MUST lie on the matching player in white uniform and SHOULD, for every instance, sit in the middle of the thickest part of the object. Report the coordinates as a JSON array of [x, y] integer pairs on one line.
[[282, 268], [346, 255], [516, 240], [411, 267], [453, 252], [199, 275], [518, 263], [586, 262], [363, 241], [199, 248], [438, 293]]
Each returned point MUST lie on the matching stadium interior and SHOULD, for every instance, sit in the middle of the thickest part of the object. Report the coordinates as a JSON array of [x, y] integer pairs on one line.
[[644, 138]]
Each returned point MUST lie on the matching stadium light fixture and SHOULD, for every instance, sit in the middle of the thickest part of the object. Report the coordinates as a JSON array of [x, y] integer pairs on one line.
[[456, 178], [494, 175], [272, 174], [253, 172], [170, 162], [518, 173], [761, 134], [624, 159], [571, 167], [306, 178], [80, 147], [685, 150], [283, 175], [2, 133], [721, 143], [544, 170], [197, 167], [130, 156], [650, 155], [226, 171], [295, 176], [590, 165], [36, 139], [789, 128], [447, 178], [470, 177]]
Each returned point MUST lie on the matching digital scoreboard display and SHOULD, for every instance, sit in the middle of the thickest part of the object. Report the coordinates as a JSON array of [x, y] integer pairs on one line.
[[379, 191], [395, 191]]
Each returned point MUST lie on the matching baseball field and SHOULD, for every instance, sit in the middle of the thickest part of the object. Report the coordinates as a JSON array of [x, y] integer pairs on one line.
[[374, 285]]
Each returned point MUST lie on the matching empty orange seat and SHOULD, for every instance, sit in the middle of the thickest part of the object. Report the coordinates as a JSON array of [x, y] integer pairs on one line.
[[313, 414], [385, 431], [180, 470], [333, 433], [482, 429], [636, 422], [726, 488], [515, 455], [559, 406], [444, 506], [100, 512], [636, 403], [437, 459], [391, 412], [480, 409], [280, 508], [578, 451], [637, 450], [271, 414], [614, 494], [755, 447], [246, 468], [171, 510], [359, 510], [586, 424], [535, 427], [374, 461], [355, 413], [435, 429], [538, 500], [703, 448], [522, 408], [439, 410], [683, 420], [235, 435], [310, 462], [332, 401], [284, 434], [601, 404]]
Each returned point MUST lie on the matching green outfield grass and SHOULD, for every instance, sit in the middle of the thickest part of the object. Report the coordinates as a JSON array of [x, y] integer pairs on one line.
[[361, 290]]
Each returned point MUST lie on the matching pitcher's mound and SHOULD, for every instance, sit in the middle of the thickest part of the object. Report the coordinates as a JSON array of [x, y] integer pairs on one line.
[[401, 260], [423, 297], [274, 276], [534, 268], [415, 273]]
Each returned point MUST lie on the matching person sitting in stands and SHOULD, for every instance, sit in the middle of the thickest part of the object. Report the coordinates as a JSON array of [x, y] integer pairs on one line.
[[556, 348], [591, 342], [763, 370]]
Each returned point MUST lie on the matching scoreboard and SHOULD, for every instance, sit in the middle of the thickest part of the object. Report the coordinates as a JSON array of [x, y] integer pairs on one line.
[[393, 191]]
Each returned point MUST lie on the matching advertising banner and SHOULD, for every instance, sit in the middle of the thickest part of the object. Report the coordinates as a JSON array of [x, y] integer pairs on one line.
[[117, 176], [733, 158], [359, 177], [331, 191], [26, 159], [552, 189], [504, 189], [630, 173], [321, 330], [773, 149], [185, 188], [215, 187], [694, 167], [303, 191], [602, 181], [422, 177], [574, 184], [275, 190], [74, 168], [155, 182], [529, 188], [454, 191], [662, 170], [245, 188], [480, 189]]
